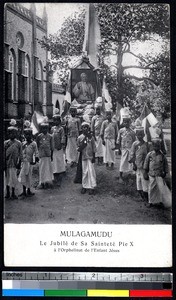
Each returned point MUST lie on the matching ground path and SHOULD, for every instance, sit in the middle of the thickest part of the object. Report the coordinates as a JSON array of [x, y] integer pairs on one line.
[[113, 203]]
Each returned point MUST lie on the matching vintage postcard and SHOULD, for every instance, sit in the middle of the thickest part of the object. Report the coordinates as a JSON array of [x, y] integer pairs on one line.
[[87, 141]]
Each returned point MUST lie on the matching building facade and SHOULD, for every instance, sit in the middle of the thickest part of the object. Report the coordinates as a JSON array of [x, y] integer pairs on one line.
[[26, 80]]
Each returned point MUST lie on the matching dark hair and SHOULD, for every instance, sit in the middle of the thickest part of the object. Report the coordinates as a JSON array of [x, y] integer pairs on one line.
[[57, 117]]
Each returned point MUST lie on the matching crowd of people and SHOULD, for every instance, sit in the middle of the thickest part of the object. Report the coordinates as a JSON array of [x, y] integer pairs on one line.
[[80, 145]]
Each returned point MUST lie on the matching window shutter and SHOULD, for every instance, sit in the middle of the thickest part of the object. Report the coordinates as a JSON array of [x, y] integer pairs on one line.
[[21, 89], [8, 86], [36, 62], [57, 104], [21, 62], [6, 57], [25, 90], [36, 92], [40, 91]]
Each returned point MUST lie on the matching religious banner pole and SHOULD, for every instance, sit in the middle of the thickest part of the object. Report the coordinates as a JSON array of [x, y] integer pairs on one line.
[[92, 36]]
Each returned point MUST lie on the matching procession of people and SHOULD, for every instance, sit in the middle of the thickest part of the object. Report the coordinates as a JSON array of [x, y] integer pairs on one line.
[[73, 142]]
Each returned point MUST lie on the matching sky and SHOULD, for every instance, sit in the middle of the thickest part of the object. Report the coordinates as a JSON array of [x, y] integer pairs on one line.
[[58, 12]]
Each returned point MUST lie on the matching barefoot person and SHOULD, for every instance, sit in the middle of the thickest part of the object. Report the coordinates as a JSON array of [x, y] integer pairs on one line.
[[156, 168], [108, 134], [13, 157], [125, 139], [86, 145], [96, 123], [58, 149], [45, 147], [72, 128], [30, 157], [138, 154]]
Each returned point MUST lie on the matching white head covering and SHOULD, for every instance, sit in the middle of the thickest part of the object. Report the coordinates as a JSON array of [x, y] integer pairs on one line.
[[27, 125], [56, 111], [139, 129], [156, 139], [124, 114], [108, 106], [85, 123], [86, 118], [12, 125], [12, 122], [99, 100], [155, 132]]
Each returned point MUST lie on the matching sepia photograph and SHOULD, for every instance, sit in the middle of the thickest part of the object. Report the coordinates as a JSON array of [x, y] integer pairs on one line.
[[87, 124]]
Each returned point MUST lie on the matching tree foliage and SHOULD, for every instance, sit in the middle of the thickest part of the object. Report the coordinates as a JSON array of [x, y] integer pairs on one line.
[[65, 45], [132, 21], [121, 25]]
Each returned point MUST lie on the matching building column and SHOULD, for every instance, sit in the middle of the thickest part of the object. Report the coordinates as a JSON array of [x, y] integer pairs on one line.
[[33, 52]]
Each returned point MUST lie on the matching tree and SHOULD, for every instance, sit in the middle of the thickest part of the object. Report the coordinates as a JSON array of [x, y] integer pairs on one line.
[[121, 25], [154, 97], [66, 45]]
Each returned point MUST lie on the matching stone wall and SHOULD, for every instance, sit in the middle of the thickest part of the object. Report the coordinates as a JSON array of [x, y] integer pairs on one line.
[[18, 19]]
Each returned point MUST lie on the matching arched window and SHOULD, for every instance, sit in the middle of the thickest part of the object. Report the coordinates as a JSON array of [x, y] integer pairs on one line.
[[40, 81], [38, 88], [57, 104], [26, 66], [40, 71], [27, 75], [12, 76], [11, 61]]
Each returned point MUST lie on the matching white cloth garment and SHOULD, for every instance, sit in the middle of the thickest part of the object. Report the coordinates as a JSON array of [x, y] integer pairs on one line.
[[58, 161], [141, 183], [25, 176], [71, 150], [11, 177], [88, 174], [109, 154], [45, 170], [159, 191], [125, 166], [99, 147]]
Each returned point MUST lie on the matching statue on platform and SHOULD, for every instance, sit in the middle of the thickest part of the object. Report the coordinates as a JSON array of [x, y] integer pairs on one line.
[[83, 90]]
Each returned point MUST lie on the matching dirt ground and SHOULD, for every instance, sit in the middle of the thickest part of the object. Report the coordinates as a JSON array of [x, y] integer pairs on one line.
[[113, 202]]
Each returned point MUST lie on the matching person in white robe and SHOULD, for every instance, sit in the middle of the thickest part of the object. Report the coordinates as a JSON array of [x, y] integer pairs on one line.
[[12, 161], [30, 157], [58, 163], [86, 145], [125, 139], [96, 123], [156, 168], [72, 128], [45, 147], [108, 134]]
